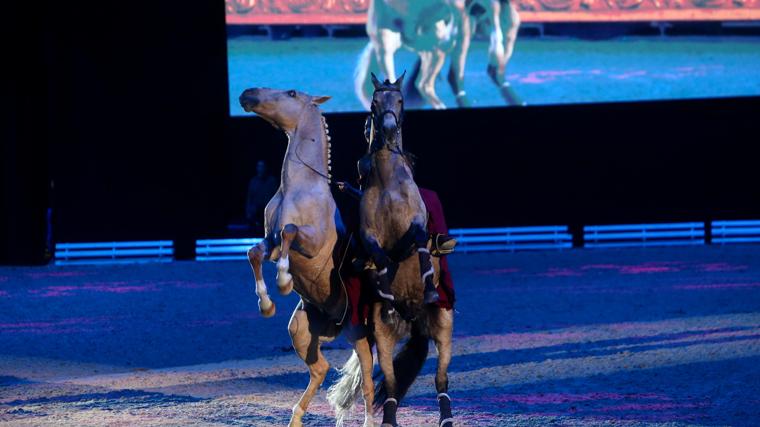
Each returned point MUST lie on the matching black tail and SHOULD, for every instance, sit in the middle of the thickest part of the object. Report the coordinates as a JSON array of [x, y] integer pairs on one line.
[[406, 365], [412, 96]]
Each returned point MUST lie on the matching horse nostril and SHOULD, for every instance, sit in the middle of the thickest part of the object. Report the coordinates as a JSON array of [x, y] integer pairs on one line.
[[247, 100]]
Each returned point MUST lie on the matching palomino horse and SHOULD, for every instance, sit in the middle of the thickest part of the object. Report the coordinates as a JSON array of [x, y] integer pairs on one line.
[[433, 29], [393, 221], [301, 234]]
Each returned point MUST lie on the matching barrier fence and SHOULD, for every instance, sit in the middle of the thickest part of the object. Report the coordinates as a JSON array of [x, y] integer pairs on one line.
[[505, 239]]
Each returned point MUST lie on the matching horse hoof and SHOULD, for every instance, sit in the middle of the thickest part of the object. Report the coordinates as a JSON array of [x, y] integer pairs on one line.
[[287, 289], [267, 312], [446, 423]]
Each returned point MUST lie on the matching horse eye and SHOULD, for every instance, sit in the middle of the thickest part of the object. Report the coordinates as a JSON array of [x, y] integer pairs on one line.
[[292, 93]]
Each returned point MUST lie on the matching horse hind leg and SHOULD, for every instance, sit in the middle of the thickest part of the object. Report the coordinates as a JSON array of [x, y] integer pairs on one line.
[[364, 352], [459, 55], [386, 340], [441, 334], [284, 278], [362, 84], [506, 23], [431, 63], [256, 256], [355, 378], [307, 346], [386, 45]]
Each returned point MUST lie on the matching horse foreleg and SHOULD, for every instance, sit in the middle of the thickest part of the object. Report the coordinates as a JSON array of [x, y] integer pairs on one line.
[[441, 332], [284, 278], [427, 272], [381, 261], [256, 256], [307, 346], [386, 344], [506, 23], [459, 55]]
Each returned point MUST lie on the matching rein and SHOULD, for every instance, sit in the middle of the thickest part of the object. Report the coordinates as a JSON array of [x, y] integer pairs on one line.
[[328, 176]]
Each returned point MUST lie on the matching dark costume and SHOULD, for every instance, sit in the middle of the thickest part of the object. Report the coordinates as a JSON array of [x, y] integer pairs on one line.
[[436, 225]]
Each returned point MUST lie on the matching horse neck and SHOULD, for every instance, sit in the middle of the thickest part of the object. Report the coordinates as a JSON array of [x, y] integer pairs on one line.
[[388, 166], [308, 147]]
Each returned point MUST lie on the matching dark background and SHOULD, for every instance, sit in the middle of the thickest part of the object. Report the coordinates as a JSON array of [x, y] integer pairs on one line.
[[115, 115]]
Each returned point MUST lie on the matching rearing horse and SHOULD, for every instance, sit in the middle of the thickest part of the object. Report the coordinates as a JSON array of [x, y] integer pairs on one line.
[[393, 220], [302, 227]]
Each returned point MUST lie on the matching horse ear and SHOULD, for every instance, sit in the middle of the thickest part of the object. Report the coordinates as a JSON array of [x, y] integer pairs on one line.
[[316, 100], [375, 81], [400, 81]]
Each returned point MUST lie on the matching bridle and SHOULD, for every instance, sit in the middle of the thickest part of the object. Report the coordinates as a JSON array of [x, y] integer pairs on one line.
[[376, 122]]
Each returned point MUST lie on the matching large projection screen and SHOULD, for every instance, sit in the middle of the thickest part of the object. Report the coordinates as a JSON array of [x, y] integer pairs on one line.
[[478, 53]]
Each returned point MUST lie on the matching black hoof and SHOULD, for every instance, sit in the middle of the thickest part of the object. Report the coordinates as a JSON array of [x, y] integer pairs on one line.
[[389, 412], [444, 403]]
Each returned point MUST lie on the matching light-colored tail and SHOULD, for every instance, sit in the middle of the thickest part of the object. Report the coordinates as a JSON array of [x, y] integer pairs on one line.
[[361, 75], [346, 390]]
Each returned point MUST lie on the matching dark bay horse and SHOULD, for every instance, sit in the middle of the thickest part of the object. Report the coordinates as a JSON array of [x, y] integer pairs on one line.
[[393, 220], [302, 233]]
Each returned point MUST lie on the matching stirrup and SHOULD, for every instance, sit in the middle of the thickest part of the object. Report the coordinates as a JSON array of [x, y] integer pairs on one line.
[[445, 247]]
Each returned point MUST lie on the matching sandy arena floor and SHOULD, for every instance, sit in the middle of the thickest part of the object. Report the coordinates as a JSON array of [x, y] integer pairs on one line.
[[658, 337]]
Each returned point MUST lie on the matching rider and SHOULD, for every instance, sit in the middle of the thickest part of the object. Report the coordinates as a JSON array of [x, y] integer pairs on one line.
[[441, 243]]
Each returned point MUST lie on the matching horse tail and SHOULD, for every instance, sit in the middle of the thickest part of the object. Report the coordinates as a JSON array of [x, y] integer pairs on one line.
[[406, 366], [362, 83], [412, 96], [346, 390]]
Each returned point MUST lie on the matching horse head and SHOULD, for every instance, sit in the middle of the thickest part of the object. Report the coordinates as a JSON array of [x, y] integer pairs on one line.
[[388, 110], [282, 108]]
